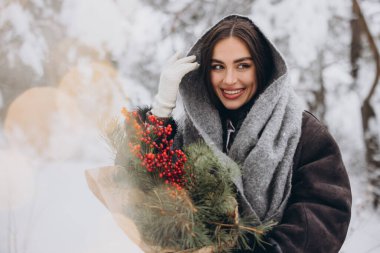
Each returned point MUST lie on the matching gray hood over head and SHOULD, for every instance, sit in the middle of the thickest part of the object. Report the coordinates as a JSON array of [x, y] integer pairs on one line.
[[262, 152]]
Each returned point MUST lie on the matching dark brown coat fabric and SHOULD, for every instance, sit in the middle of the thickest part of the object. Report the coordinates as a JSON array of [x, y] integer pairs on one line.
[[319, 209]]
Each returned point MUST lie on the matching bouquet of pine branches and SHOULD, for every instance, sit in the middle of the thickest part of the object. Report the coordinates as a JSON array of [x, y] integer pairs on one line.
[[175, 200]]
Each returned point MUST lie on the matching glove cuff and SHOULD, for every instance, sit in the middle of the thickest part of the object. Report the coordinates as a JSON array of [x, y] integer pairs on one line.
[[162, 108]]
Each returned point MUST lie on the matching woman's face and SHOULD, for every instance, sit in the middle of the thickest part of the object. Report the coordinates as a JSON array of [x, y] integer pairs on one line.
[[233, 74]]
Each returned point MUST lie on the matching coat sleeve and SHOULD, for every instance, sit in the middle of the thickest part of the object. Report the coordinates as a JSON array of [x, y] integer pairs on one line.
[[319, 209]]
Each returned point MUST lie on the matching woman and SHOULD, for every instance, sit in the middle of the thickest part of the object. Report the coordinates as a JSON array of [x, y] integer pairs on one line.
[[239, 101]]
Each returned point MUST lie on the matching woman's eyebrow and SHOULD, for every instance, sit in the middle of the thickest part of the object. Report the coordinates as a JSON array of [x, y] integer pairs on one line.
[[235, 61], [216, 60], [243, 59]]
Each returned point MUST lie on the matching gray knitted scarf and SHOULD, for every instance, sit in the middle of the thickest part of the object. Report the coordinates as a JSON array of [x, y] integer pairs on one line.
[[261, 155]]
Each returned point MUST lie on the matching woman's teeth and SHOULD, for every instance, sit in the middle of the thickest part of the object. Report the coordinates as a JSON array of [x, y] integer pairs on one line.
[[231, 92]]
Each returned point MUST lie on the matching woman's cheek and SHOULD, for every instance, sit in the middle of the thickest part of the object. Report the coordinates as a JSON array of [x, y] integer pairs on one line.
[[215, 79]]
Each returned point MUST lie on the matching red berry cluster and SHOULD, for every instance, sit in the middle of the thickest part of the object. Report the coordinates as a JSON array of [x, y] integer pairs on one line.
[[158, 157]]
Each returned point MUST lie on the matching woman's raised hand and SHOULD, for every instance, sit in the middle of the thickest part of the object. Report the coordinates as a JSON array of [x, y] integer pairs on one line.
[[171, 76]]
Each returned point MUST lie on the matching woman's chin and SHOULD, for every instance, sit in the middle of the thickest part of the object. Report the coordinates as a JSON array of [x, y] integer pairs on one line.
[[232, 106]]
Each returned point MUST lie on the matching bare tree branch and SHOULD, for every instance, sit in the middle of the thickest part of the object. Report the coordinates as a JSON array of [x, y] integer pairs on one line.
[[372, 143]]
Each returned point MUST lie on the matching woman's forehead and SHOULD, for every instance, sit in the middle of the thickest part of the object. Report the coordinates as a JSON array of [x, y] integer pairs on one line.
[[231, 48]]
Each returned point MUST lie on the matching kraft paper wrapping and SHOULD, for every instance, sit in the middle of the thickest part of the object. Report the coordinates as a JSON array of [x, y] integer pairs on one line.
[[107, 184], [104, 182]]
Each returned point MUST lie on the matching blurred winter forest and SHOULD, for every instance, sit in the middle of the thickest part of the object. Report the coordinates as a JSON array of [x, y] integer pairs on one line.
[[68, 66]]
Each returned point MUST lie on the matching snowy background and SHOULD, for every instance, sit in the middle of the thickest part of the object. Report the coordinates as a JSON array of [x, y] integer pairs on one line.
[[68, 66]]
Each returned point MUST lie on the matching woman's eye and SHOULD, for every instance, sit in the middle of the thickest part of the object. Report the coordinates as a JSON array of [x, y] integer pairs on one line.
[[244, 66], [216, 67]]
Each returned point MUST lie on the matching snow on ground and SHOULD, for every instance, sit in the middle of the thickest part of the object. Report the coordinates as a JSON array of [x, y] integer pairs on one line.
[[52, 209], [363, 234]]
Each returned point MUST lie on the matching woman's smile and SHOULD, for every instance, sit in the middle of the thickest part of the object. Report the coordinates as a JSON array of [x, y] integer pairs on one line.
[[233, 94]]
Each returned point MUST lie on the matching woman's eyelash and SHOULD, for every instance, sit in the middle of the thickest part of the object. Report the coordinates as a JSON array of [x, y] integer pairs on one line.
[[244, 65], [216, 66]]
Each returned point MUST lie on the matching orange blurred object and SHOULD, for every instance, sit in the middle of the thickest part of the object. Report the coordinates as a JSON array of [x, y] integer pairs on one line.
[[96, 89], [38, 114]]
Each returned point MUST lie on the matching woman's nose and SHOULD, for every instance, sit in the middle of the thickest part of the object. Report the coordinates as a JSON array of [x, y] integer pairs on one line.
[[230, 77]]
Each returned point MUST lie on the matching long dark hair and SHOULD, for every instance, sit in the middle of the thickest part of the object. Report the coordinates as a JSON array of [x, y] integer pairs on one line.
[[258, 46]]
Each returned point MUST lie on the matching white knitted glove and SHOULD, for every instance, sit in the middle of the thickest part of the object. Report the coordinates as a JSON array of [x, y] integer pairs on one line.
[[171, 76]]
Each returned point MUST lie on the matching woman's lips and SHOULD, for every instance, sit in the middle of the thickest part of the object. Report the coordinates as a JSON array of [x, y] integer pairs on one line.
[[232, 94]]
